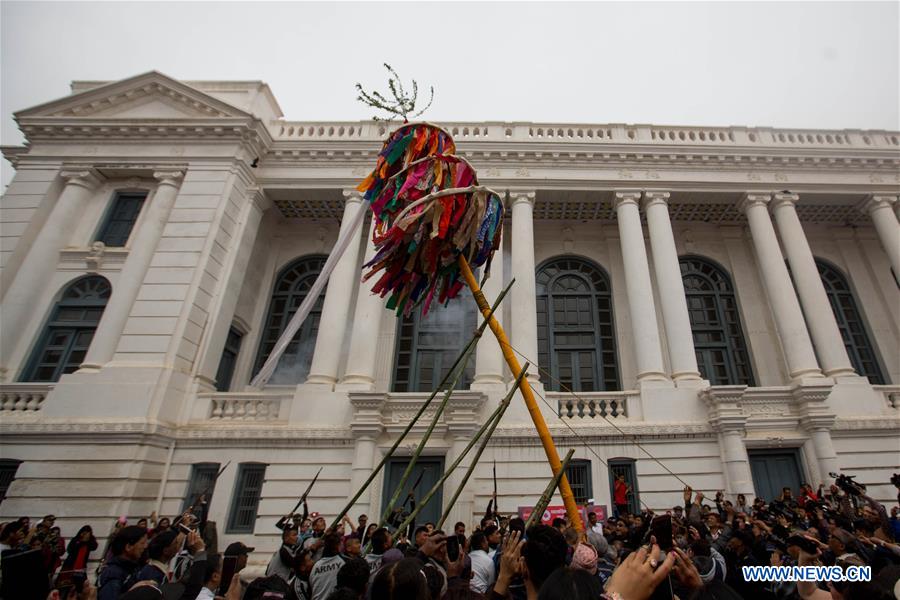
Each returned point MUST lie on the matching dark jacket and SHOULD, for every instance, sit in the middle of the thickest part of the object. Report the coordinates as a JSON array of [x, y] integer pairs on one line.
[[117, 576]]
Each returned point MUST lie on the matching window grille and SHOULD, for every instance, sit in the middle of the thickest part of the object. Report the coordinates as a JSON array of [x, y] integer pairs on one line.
[[625, 466], [428, 346], [850, 323], [247, 492], [576, 333], [203, 476], [228, 361], [719, 344], [291, 287], [578, 473], [120, 218], [67, 335], [8, 468]]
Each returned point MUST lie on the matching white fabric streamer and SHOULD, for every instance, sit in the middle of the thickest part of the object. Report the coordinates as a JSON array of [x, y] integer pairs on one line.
[[309, 301]]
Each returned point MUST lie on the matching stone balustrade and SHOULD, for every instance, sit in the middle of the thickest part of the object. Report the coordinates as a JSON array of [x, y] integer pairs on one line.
[[371, 131], [242, 406], [593, 405], [23, 397], [891, 394]]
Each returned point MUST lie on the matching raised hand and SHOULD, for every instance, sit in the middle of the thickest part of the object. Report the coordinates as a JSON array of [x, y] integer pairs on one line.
[[639, 574]]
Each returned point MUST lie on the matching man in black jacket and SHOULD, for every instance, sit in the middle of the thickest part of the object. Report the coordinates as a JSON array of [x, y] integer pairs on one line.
[[119, 573]]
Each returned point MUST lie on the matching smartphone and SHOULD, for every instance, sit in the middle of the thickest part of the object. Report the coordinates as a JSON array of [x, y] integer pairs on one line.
[[661, 529], [453, 548], [229, 565], [184, 528]]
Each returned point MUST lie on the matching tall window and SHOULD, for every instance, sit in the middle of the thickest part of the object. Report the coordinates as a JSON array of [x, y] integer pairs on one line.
[[291, 287], [120, 218], [229, 359], [625, 466], [715, 323], [247, 491], [428, 346], [850, 323], [579, 475], [69, 331], [8, 468], [203, 480], [576, 336]]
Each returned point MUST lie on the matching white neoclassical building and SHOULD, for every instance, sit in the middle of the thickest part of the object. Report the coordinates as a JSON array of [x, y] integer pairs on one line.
[[712, 306]]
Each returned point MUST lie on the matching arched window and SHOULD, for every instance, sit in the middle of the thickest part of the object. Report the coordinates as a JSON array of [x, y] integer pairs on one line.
[[576, 336], [68, 333], [850, 323], [291, 286], [427, 346], [715, 322]]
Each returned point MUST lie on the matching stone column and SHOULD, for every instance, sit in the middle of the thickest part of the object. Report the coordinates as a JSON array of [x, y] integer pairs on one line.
[[524, 300], [366, 427], [27, 291], [798, 349], [816, 307], [682, 357], [360, 372], [336, 310], [879, 208], [143, 245], [489, 363], [817, 419], [638, 288], [462, 510], [727, 417]]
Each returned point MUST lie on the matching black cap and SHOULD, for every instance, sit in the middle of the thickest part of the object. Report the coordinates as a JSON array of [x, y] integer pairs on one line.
[[237, 549]]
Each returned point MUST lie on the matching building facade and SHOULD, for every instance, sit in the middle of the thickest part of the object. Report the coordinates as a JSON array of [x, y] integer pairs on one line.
[[716, 307]]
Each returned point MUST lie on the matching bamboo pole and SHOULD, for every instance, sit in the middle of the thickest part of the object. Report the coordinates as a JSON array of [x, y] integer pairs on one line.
[[533, 409], [484, 442], [545, 498], [467, 349], [490, 424]]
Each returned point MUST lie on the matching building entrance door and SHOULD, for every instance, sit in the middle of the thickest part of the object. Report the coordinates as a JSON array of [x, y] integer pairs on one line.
[[773, 470], [430, 468]]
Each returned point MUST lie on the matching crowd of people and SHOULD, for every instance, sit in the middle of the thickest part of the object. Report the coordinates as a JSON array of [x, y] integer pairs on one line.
[[696, 550]]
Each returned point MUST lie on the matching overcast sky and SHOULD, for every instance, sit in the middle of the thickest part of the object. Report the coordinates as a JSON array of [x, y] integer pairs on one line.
[[806, 65]]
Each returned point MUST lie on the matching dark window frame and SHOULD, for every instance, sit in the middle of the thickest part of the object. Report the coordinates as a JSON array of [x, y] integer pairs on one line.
[[86, 295], [861, 350], [719, 299], [231, 351], [288, 291], [120, 218], [598, 337], [244, 500], [628, 467], [419, 337], [8, 469], [203, 475], [578, 472]]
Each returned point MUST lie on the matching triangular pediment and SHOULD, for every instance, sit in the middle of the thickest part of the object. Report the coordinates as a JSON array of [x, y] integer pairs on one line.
[[148, 96]]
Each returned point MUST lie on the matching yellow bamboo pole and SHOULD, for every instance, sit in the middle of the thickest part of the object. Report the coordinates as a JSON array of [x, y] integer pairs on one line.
[[533, 409]]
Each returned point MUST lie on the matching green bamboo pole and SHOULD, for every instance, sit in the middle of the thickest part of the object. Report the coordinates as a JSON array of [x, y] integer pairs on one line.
[[491, 424], [545, 498], [484, 442], [465, 352]]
